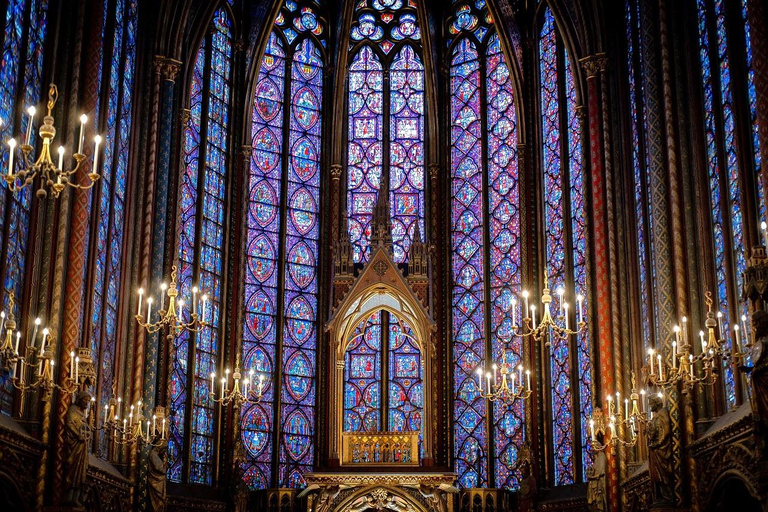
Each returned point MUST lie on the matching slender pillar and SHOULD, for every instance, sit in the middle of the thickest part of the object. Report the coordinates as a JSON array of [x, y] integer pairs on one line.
[[757, 11], [71, 335]]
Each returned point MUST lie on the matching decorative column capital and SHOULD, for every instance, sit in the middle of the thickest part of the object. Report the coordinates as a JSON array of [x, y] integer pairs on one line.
[[581, 113], [434, 171], [184, 116], [238, 45], [336, 172], [593, 64], [246, 151], [167, 67]]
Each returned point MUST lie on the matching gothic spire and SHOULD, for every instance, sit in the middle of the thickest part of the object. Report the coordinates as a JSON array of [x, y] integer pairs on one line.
[[381, 224]]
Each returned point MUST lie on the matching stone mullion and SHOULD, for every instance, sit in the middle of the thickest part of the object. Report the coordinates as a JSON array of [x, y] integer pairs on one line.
[[70, 336], [757, 12]]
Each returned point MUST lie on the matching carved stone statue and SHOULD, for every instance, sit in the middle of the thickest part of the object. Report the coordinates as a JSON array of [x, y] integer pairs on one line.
[[660, 464], [156, 474], [527, 493], [76, 449], [596, 494]]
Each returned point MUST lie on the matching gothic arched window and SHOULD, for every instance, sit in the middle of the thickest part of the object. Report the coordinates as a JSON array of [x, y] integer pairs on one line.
[[486, 245], [280, 302], [385, 122], [116, 74], [201, 252], [723, 27], [565, 240], [26, 24]]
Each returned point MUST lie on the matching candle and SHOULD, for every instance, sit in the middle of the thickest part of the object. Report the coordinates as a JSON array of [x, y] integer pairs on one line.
[[580, 298], [480, 379], [703, 343], [15, 367], [685, 330], [163, 288], [97, 140], [513, 382], [83, 120], [626, 410], [119, 406], [226, 379], [514, 314], [720, 323], [650, 359], [495, 375], [162, 435], [148, 439], [72, 362], [488, 380], [2, 321], [18, 338], [223, 381], [181, 310], [12, 145], [21, 374], [736, 334], [520, 374], [213, 376], [130, 417], [205, 302], [261, 383], [661, 371], [141, 296], [528, 378], [106, 410], [674, 354], [744, 328], [560, 293], [677, 333], [642, 400], [764, 227], [592, 428], [31, 111], [52, 363], [77, 368], [613, 429], [533, 316], [34, 332], [61, 160], [149, 308], [247, 384], [154, 424], [690, 360], [565, 314], [194, 299]]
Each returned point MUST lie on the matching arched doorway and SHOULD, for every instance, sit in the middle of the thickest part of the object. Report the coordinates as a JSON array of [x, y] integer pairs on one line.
[[732, 493]]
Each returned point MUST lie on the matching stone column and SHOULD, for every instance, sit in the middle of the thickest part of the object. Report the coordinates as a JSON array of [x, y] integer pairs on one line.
[[757, 12]]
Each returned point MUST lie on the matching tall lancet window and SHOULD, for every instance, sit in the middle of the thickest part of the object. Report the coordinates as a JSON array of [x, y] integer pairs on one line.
[[732, 148], [201, 252], [565, 241], [386, 122], [26, 26], [282, 251], [486, 245], [116, 74]]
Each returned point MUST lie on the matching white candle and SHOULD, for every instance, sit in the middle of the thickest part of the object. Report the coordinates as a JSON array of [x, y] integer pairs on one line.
[[580, 298], [61, 160], [247, 384], [223, 381], [674, 354], [533, 317], [261, 384], [31, 111], [720, 324], [163, 288], [83, 120], [149, 308], [162, 436], [495, 375], [520, 374], [661, 371], [106, 410], [642, 400], [650, 359], [12, 145], [148, 439], [213, 376], [592, 428], [77, 368], [703, 343], [528, 378], [488, 380], [677, 333], [480, 379], [72, 362], [626, 410], [52, 363], [513, 382], [2, 321], [560, 293], [97, 140], [194, 299], [744, 327], [34, 332], [141, 296], [514, 312], [764, 227], [181, 311], [154, 424], [565, 314], [205, 302], [130, 418], [736, 333], [613, 429], [18, 338], [690, 361]]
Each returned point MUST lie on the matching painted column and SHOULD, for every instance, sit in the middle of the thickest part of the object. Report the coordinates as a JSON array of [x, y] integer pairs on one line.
[[757, 11], [74, 289], [592, 66]]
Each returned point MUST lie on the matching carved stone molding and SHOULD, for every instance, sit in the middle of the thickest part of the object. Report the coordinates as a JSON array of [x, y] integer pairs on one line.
[[434, 171], [167, 67], [336, 172], [246, 151], [593, 64], [184, 117]]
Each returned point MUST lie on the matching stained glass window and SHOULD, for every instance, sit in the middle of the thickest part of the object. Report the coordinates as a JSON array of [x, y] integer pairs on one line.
[[203, 192], [726, 181], [280, 332], [486, 242], [383, 388], [20, 77], [116, 73], [386, 122], [565, 246]]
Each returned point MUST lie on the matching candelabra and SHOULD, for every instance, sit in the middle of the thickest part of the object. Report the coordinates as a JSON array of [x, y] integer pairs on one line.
[[52, 176], [503, 390], [548, 327], [171, 317], [632, 420], [235, 395], [135, 428]]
